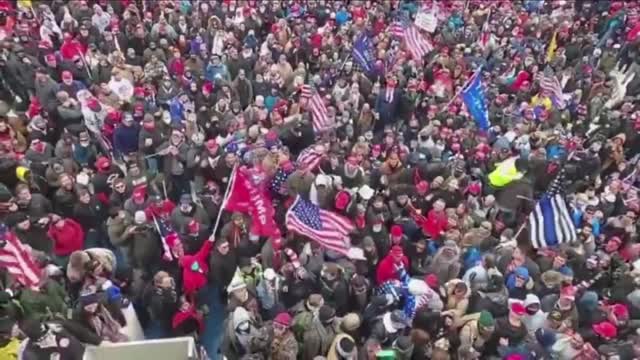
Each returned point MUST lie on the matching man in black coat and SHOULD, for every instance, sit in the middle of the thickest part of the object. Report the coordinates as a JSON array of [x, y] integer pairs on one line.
[[222, 265], [52, 341]]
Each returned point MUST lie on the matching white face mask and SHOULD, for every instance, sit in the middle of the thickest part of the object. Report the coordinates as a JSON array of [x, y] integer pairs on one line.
[[377, 227]]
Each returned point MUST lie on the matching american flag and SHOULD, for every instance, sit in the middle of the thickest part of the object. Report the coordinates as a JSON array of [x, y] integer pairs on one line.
[[549, 83], [416, 43], [550, 223], [16, 258], [327, 228], [279, 179], [309, 159], [319, 116], [485, 34]]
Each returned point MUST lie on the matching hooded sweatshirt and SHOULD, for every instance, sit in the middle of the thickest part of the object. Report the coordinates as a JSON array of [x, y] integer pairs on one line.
[[535, 321]]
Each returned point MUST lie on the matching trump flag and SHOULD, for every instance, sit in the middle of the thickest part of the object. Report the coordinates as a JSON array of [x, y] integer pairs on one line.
[[363, 53], [476, 102]]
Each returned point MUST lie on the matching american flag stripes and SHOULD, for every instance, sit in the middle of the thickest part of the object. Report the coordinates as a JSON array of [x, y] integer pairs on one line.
[[16, 258], [416, 43], [550, 84], [485, 34], [327, 228], [550, 223], [309, 159], [319, 115]]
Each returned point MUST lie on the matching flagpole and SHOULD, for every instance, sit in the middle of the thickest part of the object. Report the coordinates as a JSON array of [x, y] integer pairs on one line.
[[463, 87], [524, 223], [224, 201]]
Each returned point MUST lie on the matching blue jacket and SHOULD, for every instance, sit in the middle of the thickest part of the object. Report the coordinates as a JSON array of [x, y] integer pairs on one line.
[[216, 72], [125, 139], [176, 109]]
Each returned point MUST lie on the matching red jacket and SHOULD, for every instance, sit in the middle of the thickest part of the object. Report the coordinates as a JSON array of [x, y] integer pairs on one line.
[[195, 268], [71, 49], [435, 224], [387, 269], [67, 239]]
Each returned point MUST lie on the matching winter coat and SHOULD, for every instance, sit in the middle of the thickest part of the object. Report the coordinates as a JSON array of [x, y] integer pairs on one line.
[[269, 298], [90, 216], [180, 220], [43, 303], [175, 165], [387, 269], [144, 246], [67, 344], [67, 239], [46, 93], [161, 304], [105, 257], [336, 294], [116, 227], [317, 340], [470, 337], [221, 268], [36, 237], [195, 269], [457, 307], [284, 347]]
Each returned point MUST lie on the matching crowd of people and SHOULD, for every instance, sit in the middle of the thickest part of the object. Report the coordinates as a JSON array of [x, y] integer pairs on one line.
[[126, 126]]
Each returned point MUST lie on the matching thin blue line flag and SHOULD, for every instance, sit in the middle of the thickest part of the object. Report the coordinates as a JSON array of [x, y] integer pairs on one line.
[[363, 53], [476, 101]]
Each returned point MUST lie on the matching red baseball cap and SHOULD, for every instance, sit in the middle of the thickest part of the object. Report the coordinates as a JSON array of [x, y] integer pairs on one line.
[[103, 163], [518, 308], [396, 231], [396, 251], [605, 329], [422, 187], [93, 104], [138, 194], [432, 281]]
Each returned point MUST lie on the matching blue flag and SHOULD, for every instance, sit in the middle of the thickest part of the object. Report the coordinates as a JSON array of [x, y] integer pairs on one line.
[[363, 53], [476, 102]]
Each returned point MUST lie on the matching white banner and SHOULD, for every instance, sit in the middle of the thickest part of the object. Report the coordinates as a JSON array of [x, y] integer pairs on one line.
[[426, 21]]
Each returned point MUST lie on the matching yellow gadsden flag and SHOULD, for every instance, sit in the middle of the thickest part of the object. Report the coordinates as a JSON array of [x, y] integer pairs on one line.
[[553, 45], [25, 4]]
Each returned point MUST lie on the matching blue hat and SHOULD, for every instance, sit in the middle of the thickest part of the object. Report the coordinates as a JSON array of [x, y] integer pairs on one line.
[[545, 337], [522, 272], [231, 148], [566, 271]]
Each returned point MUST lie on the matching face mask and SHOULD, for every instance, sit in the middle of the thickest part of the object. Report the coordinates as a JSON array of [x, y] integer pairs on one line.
[[377, 227]]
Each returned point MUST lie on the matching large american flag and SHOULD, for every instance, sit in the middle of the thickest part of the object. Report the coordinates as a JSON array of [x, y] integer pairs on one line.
[[17, 259], [327, 228], [550, 223], [416, 43], [319, 115], [549, 83], [309, 159]]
